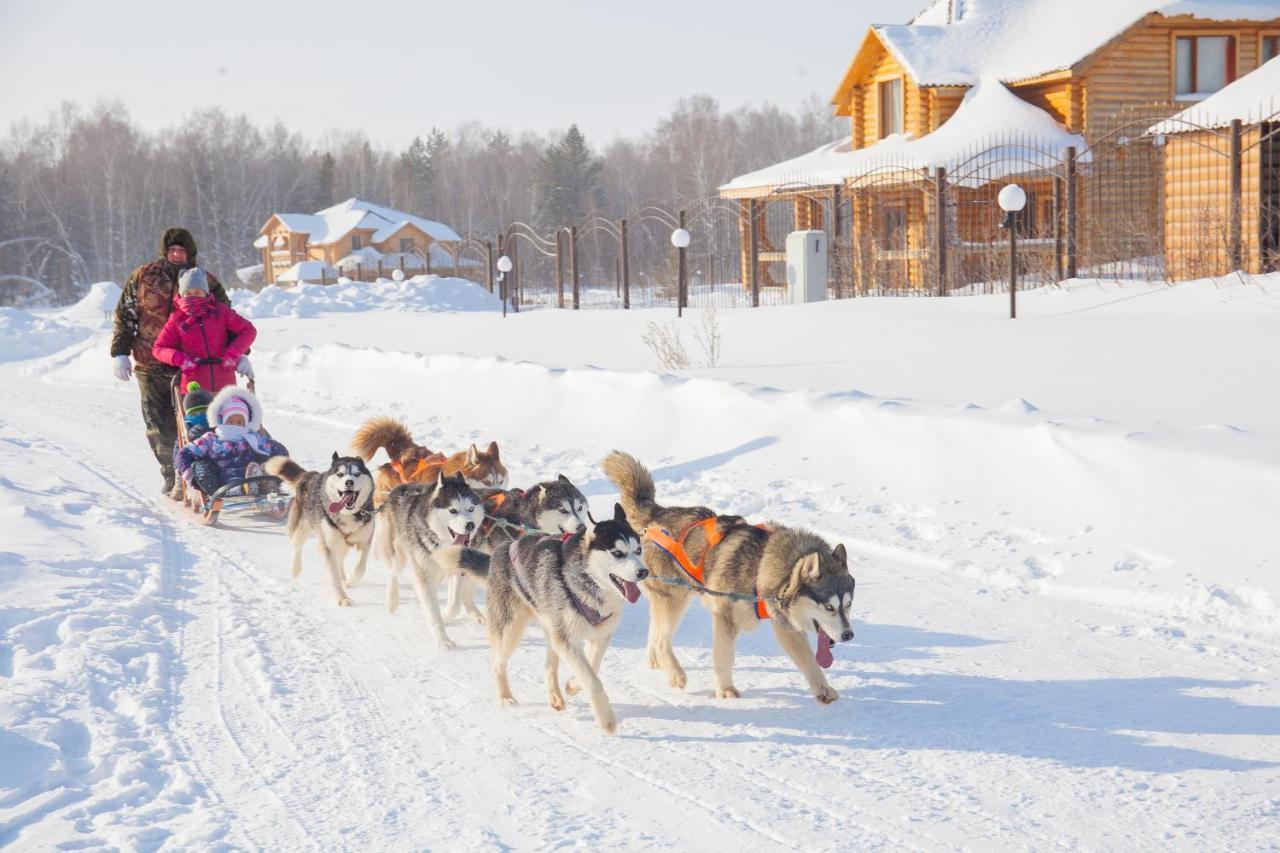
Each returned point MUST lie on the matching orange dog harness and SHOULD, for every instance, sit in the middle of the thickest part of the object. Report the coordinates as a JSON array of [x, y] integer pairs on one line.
[[399, 469], [676, 550]]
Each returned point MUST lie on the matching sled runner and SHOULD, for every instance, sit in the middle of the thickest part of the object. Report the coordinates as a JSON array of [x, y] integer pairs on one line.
[[258, 494]]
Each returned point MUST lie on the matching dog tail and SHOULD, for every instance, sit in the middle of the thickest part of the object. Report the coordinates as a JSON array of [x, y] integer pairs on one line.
[[469, 561], [286, 469], [381, 432], [635, 485]]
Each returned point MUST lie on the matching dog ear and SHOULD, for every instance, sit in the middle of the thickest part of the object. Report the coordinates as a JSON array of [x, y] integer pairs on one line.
[[493, 449], [472, 455], [619, 515], [542, 491], [561, 478], [440, 478], [460, 478], [336, 457], [841, 555], [810, 567]]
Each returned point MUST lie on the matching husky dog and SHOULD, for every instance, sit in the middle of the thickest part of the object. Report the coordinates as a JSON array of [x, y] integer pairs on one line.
[[575, 586], [805, 584], [336, 506], [419, 520], [410, 462], [555, 507]]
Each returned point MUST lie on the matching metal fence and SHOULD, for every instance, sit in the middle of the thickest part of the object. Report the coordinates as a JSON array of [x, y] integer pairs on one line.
[[1140, 198]]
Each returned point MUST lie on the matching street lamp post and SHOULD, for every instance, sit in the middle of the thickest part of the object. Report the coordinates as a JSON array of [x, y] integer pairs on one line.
[[1011, 200], [504, 267], [680, 239]]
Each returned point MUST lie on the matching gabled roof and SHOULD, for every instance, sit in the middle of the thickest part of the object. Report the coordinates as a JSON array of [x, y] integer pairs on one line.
[[333, 223], [985, 116], [956, 42], [1254, 97]]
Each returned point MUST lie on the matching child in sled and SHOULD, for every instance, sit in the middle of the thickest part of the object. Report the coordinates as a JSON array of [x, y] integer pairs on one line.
[[203, 338], [234, 448], [194, 406]]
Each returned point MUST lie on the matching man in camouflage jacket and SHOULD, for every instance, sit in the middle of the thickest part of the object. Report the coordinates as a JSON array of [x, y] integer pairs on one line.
[[148, 297]]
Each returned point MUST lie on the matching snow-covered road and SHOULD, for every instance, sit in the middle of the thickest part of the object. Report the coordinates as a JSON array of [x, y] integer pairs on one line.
[[1032, 668]]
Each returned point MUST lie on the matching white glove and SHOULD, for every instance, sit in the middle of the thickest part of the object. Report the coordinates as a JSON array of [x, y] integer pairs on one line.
[[122, 368], [244, 368]]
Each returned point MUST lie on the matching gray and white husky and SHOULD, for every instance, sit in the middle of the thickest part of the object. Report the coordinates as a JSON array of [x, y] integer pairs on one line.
[[555, 507], [575, 586], [804, 582], [420, 518], [335, 506]]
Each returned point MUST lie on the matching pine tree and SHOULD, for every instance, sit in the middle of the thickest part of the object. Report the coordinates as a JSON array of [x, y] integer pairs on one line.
[[414, 177], [568, 181], [322, 193]]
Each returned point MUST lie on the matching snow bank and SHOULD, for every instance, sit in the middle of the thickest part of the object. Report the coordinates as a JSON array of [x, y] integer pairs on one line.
[[1113, 515], [26, 335], [96, 306], [420, 293]]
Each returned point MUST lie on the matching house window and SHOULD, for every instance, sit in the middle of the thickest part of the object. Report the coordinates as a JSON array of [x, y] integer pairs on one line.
[[894, 234], [1270, 47], [406, 245], [890, 107], [1203, 65], [355, 243]]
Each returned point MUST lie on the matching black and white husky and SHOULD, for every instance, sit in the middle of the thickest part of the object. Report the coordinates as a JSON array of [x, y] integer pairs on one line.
[[575, 585], [420, 518], [335, 506], [555, 506]]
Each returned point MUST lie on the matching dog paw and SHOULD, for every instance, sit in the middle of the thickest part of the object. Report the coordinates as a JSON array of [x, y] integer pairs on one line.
[[826, 694], [445, 644], [730, 692], [571, 687], [478, 618], [343, 601], [609, 723], [295, 569], [653, 660], [556, 701], [678, 680], [507, 701]]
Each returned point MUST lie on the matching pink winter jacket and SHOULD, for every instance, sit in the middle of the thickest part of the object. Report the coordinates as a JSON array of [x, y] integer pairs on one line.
[[206, 341]]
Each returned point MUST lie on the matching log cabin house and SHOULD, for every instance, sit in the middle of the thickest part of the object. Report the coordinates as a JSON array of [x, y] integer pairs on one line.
[[352, 235], [992, 92], [1197, 144]]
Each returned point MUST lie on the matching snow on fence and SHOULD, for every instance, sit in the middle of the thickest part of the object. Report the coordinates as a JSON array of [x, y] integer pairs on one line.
[[1142, 196]]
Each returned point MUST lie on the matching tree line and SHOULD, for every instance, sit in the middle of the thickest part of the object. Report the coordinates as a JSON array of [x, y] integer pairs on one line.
[[85, 193]]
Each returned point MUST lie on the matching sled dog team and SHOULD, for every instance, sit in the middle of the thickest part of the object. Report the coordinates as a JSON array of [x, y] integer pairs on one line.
[[541, 556]]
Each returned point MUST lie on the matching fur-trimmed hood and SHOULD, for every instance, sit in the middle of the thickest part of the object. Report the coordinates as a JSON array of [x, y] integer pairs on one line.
[[214, 412]]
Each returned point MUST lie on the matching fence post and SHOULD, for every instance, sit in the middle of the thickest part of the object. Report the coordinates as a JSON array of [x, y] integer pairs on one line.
[[1236, 247], [379, 267], [402, 262], [1073, 200], [573, 262], [503, 280], [626, 269], [1057, 228], [559, 268], [323, 275], [837, 228], [681, 283], [940, 180], [514, 288], [753, 273], [488, 265]]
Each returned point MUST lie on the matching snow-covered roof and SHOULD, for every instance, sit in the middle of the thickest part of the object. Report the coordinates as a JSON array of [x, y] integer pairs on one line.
[[381, 217], [308, 271], [956, 42], [1251, 98], [261, 242], [333, 223], [985, 118]]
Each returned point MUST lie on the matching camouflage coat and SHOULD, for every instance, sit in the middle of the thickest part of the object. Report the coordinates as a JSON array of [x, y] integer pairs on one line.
[[149, 296]]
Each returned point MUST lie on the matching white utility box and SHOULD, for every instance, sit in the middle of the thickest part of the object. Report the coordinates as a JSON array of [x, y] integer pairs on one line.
[[806, 266]]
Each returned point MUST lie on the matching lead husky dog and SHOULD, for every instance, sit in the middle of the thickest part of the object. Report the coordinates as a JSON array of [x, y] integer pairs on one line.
[[335, 506], [575, 586], [555, 507], [804, 582], [419, 520]]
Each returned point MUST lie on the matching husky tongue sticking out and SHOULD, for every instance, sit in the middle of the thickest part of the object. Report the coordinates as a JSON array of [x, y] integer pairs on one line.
[[346, 500], [461, 538], [823, 655], [628, 589]]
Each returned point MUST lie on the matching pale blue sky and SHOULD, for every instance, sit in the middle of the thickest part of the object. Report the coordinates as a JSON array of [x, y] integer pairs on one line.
[[395, 68]]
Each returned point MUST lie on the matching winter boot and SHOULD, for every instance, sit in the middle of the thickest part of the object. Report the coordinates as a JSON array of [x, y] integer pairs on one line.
[[205, 474]]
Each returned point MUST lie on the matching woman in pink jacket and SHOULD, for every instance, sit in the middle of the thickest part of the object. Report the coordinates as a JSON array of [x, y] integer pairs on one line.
[[205, 339]]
